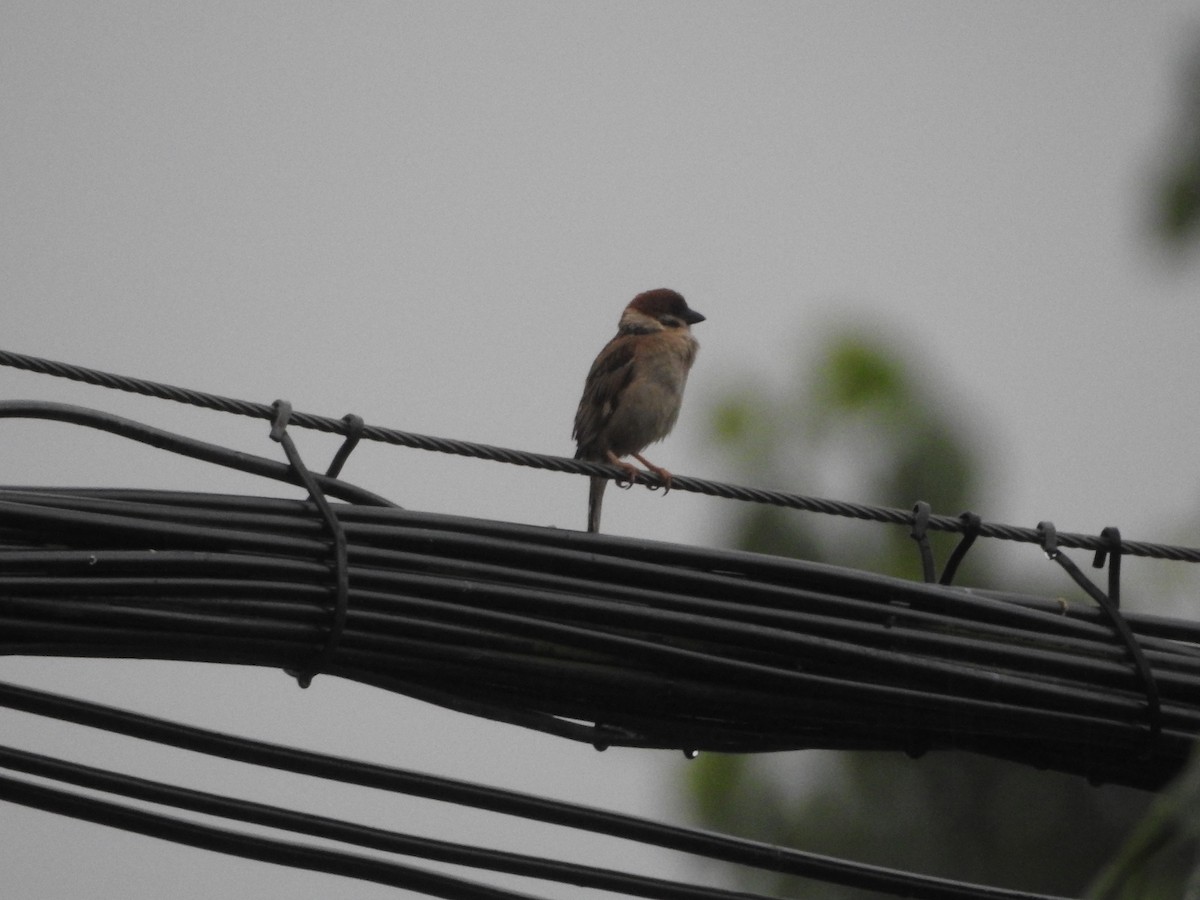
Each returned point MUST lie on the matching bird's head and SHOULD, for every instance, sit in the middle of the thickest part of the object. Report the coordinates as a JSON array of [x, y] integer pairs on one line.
[[657, 310]]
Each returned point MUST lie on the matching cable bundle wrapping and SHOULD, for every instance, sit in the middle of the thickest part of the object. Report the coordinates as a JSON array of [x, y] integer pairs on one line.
[[601, 639]]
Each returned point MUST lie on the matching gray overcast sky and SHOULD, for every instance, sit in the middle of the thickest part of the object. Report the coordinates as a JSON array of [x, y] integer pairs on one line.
[[431, 214]]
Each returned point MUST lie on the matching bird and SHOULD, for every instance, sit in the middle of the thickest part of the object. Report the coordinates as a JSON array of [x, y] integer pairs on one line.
[[634, 389]]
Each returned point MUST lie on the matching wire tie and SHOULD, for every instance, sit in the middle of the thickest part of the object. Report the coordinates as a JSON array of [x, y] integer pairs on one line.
[[1124, 633], [1112, 537], [1048, 538], [920, 533], [304, 677], [279, 420], [354, 433], [971, 525]]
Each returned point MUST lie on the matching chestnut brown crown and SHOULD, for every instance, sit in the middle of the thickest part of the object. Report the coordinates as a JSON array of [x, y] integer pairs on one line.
[[665, 304]]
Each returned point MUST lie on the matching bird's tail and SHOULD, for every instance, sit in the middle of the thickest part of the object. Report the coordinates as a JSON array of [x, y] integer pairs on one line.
[[595, 498]]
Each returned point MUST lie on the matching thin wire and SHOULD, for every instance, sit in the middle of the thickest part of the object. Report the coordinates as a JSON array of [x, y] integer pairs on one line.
[[359, 835], [562, 464], [247, 846], [190, 447], [708, 844]]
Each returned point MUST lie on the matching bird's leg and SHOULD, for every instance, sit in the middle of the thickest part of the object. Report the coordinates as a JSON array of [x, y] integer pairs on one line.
[[657, 470], [631, 471]]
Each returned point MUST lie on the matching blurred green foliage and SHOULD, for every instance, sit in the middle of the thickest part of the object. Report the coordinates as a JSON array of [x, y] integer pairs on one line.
[[1176, 207], [863, 424], [1160, 857]]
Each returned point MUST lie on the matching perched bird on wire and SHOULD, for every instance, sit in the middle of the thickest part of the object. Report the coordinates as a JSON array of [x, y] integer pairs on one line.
[[634, 389]]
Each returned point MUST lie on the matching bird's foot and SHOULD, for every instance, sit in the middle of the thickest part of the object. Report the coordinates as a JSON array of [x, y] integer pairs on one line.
[[631, 471], [657, 470]]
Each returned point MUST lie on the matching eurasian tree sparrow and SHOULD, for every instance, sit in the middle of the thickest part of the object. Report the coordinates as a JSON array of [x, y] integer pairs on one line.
[[634, 389]]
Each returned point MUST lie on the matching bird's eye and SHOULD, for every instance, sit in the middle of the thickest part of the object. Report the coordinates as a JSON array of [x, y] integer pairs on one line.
[[671, 321]]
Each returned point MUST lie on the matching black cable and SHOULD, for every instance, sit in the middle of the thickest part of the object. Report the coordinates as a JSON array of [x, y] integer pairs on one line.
[[687, 840], [246, 846], [666, 645], [190, 447], [359, 835]]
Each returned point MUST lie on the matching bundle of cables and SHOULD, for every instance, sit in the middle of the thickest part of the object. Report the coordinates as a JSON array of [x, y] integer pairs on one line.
[[606, 640]]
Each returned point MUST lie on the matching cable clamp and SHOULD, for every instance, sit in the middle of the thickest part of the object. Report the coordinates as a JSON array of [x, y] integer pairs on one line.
[[920, 533], [354, 433], [971, 526], [1112, 551], [1112, 547], [1048, 538], [304, 677]]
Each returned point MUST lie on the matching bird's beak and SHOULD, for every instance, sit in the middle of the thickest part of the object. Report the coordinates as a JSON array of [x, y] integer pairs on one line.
[[692, 317]]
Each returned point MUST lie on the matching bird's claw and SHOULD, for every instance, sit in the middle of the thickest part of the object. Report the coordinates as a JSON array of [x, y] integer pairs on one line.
[[631, 473], [662, 474]]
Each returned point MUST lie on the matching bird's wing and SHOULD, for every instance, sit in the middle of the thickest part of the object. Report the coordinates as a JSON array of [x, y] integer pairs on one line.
[[610, 374]]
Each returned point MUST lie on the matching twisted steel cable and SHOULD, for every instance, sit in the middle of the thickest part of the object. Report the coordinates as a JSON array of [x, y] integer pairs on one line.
[[889, 515]]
